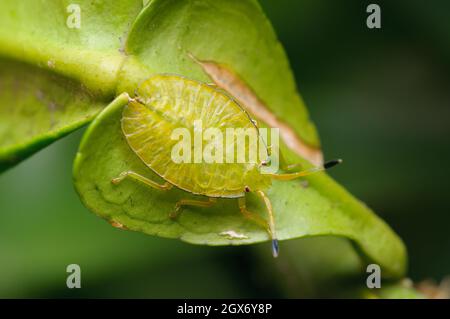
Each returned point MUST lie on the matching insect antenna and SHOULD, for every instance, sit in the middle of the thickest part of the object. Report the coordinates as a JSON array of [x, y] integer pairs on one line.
[[275, 248], [332, 163], [306, 172]]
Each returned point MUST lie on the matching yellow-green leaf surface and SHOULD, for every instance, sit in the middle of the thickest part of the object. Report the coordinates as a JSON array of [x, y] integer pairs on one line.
[[121, 43], [53, 78], [38, 107]]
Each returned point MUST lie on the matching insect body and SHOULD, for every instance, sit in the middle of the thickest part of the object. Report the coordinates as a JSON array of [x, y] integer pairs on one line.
[[165, 103]]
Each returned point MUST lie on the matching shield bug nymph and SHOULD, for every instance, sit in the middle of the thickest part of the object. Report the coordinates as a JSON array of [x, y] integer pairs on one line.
[[166, 102]]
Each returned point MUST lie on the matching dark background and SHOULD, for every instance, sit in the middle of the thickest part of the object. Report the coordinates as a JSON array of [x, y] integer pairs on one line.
[[380, 100]]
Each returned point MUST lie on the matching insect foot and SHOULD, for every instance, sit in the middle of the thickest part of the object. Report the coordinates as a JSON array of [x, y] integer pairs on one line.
[[120, 178], [193, 203], [175, 213], [275, 248]]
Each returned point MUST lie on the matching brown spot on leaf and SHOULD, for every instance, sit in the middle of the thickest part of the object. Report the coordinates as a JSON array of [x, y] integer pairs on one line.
[[117, 225], [233, 84]]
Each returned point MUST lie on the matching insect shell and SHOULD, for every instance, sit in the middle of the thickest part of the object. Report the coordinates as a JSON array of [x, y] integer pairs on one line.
[[166, 102]]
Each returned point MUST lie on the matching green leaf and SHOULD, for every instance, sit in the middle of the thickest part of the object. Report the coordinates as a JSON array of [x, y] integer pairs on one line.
[[402, 289], [322, 208], [158, 38], [397, 291], [53, 78], [38, 107], [235, 34]]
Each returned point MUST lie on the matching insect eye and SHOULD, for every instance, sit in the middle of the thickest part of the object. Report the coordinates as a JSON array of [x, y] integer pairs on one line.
[[266, 162]]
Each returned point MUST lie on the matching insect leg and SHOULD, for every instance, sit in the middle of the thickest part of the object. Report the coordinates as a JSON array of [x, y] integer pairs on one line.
[[252, 216], [271, 222], [283, 163], [142, 179], [191, 202], [268, 226], [306, 172], [291, 167]]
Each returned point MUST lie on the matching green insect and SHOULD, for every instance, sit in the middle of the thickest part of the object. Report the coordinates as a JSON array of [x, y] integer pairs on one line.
[[166, 102]]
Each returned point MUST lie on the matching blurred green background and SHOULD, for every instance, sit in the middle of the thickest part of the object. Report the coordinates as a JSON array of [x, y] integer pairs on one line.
[[380, 100]]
